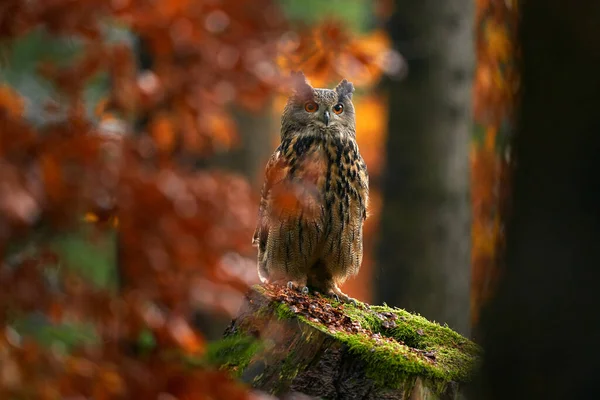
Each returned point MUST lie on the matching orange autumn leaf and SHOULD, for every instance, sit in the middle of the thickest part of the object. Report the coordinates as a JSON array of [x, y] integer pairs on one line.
[[90, 217], [285, 200], [55, 312], [163, 132], [110, 381], [52, 177], [498, 43], [184, 336], [222, 129], [11, 102]]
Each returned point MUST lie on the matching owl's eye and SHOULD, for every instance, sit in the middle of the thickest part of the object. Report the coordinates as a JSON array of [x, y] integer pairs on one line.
[[311, 106], [338, 108]]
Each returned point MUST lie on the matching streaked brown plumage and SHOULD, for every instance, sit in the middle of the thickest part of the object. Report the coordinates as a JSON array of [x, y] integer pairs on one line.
[[315, 195]]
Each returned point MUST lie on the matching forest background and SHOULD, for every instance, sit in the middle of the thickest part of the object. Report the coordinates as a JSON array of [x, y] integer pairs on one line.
[[134, 137]]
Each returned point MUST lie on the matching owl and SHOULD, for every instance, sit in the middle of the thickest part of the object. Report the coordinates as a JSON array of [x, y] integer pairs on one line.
[[314, 199]]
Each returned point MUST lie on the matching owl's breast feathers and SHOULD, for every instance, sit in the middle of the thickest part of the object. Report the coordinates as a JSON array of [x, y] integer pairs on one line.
[[321, 180]]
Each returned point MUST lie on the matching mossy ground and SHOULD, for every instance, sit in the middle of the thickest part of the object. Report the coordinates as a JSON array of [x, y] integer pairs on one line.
[[413, 347], [396, 346]]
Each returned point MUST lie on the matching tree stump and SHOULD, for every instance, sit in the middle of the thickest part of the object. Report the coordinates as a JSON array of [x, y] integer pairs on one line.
[[325, 349]]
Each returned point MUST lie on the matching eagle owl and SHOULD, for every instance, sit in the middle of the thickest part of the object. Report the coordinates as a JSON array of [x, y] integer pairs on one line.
[[314, 198]]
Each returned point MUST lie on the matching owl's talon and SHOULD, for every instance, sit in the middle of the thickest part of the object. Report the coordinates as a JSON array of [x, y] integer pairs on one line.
[[305, 290], [342, 298]]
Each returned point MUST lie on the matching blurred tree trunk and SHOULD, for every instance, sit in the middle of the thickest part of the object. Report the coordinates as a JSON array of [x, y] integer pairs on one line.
[[257, 131], [424, 250], [541, 327]]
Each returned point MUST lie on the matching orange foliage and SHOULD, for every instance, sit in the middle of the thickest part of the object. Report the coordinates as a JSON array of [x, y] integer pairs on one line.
[[183, 234], [496, 83], [10, 102], [176, 227], [329, 52], [371, 127]]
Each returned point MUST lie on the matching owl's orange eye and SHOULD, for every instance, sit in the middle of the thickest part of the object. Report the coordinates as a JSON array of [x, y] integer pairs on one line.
[[338, 108], [311, 106]]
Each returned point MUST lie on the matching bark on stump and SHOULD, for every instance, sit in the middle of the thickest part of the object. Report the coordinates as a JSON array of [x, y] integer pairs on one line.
[[316, 346]]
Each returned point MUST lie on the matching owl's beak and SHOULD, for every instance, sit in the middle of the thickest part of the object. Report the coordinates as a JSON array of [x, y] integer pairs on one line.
[[326, 117]]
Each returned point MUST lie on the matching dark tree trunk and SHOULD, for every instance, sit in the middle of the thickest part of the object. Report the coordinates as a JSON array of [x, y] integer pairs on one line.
[[257, 131], [540, 332], [424, 250]]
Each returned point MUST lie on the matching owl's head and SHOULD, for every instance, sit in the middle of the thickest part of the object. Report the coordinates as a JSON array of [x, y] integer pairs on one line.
[[318, 111]]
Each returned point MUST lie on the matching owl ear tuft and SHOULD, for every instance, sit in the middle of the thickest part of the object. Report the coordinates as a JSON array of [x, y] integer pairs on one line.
[[300, 85], [345, 89]]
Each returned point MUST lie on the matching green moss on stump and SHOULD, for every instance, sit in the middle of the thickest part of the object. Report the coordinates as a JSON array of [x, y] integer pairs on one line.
[[397, 347], [410, 345], [233, 353]]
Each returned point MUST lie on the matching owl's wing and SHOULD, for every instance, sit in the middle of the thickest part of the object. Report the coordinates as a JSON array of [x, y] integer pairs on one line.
[[275, 171], [364, 179]]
